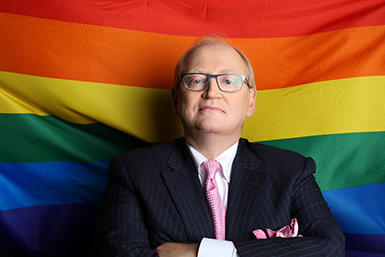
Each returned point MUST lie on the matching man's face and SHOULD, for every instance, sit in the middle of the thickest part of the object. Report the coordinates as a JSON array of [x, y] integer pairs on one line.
[[214, 111]]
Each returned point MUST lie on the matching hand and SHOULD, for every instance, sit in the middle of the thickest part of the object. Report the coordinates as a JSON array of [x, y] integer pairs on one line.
[[177, 250]]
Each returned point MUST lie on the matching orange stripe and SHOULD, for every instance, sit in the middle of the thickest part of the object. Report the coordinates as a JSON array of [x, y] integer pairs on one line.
[[116, 56]]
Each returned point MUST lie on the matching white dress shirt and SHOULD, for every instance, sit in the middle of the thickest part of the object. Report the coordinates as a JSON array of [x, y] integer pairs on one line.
[[212, 247]]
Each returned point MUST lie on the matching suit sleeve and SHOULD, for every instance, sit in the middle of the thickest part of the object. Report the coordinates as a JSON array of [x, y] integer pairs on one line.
[[322, 235], [119, 229]]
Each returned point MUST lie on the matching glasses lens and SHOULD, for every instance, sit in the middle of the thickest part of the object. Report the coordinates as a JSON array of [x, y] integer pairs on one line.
[[226, 82], [195, 82], [230, 83]]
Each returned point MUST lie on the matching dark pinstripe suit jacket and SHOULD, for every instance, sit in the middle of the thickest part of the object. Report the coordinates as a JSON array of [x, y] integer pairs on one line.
[[154, 196]]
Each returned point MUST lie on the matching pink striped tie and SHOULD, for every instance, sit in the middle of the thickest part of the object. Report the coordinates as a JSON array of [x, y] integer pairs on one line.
[[218, 210]]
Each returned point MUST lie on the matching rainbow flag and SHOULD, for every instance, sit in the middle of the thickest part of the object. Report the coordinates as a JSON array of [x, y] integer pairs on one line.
[[82, 81]]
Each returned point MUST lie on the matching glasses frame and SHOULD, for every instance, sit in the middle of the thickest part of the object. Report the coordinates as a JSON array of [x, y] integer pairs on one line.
[[209, 76]]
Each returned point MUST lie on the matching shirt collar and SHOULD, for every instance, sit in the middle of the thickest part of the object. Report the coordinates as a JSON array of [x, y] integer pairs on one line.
[[225, 159]]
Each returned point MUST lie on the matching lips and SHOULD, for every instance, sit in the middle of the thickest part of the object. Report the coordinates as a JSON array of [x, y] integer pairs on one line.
[[211, 108]]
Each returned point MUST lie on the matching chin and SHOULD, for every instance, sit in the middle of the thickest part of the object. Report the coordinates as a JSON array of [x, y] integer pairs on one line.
[[211, 129]]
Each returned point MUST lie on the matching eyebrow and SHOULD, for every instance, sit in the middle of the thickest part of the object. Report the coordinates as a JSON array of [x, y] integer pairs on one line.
[[223, 71]]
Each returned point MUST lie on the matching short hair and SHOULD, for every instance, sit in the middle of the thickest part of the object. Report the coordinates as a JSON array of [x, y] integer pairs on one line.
[[250, 81]]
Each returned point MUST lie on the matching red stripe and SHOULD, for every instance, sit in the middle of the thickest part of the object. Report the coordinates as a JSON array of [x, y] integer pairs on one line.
[[244, 19]]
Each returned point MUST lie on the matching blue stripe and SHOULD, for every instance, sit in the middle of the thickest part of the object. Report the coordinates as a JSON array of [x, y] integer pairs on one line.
[[50, 183], [359, 210]]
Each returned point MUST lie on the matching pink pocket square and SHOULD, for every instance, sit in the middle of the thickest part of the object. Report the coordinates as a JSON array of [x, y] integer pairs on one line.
[[287, 231]]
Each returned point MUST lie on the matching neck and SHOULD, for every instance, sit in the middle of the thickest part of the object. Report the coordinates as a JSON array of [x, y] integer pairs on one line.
[[211, 145]]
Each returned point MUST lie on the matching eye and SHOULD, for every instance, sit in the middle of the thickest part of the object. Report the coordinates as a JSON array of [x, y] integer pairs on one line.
[[196, 79], [227, 81]]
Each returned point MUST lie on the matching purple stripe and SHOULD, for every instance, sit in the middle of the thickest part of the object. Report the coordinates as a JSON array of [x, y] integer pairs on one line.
[[47, 230], [365, 245], [66, 230]]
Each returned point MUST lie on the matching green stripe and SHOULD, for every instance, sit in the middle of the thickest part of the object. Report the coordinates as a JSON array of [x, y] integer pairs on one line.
[[31, 138], [343, 160]]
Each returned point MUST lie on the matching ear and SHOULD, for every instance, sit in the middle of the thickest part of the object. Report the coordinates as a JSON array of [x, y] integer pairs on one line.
[[252, 100], [175, 99]]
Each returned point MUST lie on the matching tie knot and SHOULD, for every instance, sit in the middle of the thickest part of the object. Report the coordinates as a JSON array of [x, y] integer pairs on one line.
[[211, 167]]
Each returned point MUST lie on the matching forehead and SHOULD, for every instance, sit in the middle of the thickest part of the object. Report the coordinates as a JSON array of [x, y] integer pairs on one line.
[[215, 57]]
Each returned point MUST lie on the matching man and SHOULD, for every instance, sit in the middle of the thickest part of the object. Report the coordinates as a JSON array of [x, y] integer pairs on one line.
[[155, 202]]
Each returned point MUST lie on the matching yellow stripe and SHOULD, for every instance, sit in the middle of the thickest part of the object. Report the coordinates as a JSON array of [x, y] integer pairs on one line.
[[140, 112], [331, 107], [11, 102]]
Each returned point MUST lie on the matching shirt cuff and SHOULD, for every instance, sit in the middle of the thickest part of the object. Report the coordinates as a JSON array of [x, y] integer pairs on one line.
[[212, 247]]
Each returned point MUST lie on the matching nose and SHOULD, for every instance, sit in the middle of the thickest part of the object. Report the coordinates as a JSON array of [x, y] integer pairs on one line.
[[212, 90]]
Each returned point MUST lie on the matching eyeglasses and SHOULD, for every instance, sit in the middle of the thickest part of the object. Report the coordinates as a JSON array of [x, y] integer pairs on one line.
[[200, 81]]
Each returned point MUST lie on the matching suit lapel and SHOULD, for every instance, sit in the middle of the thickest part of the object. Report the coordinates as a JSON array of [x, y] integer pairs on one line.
[[244, 191], [184, 186]]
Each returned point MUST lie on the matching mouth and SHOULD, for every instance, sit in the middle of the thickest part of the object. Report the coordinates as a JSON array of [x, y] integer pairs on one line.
[[211, 109]]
